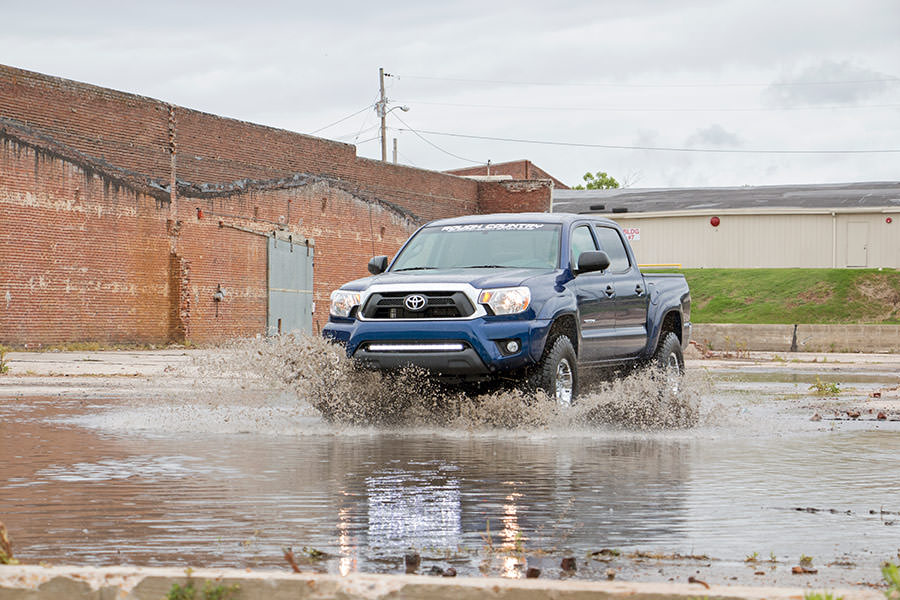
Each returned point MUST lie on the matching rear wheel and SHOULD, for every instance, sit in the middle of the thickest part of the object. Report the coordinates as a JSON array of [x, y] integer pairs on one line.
[[669, 360], [557, 373]]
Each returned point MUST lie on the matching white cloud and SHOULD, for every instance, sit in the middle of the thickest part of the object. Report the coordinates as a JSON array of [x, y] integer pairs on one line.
[[303, 65], [714, 136], [830, 82]]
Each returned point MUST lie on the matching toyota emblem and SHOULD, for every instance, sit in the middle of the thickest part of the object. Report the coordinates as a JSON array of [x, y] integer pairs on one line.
[[415, 302]]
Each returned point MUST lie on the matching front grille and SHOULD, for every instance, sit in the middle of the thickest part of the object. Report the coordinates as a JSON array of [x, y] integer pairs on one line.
[[439, 305]]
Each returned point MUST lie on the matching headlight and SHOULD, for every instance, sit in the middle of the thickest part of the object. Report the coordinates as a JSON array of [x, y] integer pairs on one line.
[[506, 301], [342, 302]]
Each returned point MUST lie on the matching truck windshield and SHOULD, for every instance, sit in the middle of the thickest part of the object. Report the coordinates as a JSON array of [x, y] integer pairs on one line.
[[482, 245]]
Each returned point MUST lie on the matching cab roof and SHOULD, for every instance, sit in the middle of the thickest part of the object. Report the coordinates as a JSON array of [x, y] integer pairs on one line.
[[532, 217]]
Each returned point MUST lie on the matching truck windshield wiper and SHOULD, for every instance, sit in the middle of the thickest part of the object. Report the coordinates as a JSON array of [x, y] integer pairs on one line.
[[414, 269], [485, 267]]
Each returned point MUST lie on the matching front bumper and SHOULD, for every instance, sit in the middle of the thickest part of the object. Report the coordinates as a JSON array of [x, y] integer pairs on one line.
[[479, 353]]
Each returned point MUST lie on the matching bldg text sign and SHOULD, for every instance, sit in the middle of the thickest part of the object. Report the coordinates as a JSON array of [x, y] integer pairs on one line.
[[632, 233]]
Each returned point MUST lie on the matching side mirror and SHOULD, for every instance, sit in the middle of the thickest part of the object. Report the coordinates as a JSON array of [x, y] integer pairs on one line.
[[591, 261], [378, 264]]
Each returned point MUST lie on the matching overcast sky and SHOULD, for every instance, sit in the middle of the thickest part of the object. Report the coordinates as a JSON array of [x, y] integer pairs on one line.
[[721, 75]]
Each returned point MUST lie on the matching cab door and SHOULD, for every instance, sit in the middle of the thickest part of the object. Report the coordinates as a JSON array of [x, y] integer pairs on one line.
[[595, 296], [631, 295]]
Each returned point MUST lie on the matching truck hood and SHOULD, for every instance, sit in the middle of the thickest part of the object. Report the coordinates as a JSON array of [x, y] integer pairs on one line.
[[477, 278]]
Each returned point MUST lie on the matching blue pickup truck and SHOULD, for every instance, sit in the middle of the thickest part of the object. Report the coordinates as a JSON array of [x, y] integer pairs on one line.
[[531, 297]]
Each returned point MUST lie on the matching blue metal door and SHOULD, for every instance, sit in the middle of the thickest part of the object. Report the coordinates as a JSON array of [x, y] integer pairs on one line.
[[290, 285]]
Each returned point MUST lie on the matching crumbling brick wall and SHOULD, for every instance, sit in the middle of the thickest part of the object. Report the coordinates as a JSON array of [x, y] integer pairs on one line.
[[514, 196], [517, 169]]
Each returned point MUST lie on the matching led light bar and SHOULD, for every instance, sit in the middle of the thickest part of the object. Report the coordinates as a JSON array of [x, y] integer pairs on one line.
[[445, 347]]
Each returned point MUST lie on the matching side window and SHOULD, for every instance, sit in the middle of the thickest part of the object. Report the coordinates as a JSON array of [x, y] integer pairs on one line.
[[582, 241], [614, 247]]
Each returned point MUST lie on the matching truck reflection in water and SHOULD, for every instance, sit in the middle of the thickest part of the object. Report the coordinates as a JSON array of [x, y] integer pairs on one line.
[[510, 497], [412, 506]]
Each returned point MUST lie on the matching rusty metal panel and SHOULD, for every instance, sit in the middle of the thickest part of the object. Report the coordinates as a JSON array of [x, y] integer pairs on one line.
[[290, 286]]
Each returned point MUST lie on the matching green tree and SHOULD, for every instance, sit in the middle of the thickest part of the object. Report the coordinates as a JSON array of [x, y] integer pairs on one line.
[[600, 181]]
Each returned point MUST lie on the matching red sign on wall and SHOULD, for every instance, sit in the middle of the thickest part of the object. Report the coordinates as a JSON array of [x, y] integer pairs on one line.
[[632, 233]]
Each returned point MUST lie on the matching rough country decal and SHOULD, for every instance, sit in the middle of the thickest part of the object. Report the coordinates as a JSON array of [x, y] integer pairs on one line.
[[494, 227]]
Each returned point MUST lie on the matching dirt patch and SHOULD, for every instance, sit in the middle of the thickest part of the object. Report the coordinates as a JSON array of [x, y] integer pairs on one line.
[[701, 304], [880, 295], [820, 293], [878, 289]]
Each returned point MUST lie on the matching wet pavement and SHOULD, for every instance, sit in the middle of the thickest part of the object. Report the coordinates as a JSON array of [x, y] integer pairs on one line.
[[172, 470]]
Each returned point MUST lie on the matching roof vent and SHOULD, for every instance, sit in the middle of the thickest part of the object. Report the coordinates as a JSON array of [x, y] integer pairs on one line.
[[620, 209], [598, 206]]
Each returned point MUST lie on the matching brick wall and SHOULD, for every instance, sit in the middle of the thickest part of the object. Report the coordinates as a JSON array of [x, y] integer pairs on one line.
[[78, 255], [90, 119], [517, 169], [130, 132], [514, 196], [95, 247]]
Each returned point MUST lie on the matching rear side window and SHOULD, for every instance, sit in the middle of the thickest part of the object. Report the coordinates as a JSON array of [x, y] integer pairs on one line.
[[612, 244], [582, 241]]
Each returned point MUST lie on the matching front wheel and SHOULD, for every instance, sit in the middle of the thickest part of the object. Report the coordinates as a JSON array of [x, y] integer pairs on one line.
[[557, 373]]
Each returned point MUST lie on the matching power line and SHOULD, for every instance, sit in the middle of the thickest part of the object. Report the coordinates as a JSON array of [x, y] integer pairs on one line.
[[651, 85], [347, 136], [636, 109], [362, 127], [653, 148], [340, 120], [430, 143]]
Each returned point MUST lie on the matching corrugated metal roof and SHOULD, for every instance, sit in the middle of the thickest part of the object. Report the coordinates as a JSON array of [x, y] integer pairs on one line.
[[819, 196]]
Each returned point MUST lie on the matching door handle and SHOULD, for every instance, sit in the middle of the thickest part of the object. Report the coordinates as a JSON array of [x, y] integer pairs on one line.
[[639, 290], [610, 291]]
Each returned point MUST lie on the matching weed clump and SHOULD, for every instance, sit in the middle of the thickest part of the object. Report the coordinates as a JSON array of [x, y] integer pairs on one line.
[[821, 596], [891, 575], [4, 364], [210, 591], [6, 553], [823, 388]]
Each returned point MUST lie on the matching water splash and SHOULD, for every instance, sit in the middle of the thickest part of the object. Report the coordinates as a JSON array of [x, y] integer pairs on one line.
[[321, 375]]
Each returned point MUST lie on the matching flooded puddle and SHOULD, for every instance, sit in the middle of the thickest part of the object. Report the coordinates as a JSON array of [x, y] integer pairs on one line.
[[218, 480]]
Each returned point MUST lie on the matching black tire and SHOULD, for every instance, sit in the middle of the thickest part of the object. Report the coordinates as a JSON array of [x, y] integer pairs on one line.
[[668, 354], [557, 373], [668, 362]]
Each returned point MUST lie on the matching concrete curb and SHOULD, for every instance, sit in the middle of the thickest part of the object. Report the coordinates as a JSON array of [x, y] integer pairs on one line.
[[809, 338], [145, 583]]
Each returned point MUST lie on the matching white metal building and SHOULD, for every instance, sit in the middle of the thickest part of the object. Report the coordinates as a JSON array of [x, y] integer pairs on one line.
[[835, 225]]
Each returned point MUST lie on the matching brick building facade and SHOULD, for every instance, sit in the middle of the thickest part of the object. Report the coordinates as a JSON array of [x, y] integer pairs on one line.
[[121, 216], [516, 169]]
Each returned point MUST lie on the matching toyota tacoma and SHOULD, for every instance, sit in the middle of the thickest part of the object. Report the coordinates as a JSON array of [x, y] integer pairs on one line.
[[531, 297]]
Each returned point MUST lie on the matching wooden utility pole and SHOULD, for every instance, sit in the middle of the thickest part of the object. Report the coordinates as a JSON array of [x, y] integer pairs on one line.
[[382, 112]]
